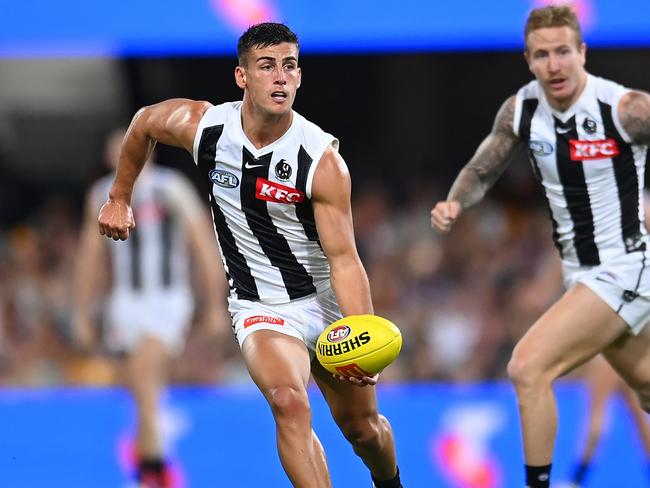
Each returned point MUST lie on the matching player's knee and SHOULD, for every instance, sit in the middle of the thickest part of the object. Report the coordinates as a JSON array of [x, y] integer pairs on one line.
[[288, 402], [523, 371], [362, 432]]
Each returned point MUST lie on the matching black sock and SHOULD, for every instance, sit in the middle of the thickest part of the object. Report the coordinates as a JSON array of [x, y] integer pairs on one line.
[[391, 483], [580, 472], [538, 476], [150, 467]]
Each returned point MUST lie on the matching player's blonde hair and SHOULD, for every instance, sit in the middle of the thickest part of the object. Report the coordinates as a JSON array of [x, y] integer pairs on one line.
[[553, 16]]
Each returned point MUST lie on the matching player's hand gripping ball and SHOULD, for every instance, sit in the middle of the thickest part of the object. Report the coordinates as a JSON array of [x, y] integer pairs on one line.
[[358, 345]]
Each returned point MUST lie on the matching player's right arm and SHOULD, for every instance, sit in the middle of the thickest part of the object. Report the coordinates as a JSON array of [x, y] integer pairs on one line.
[[88, 273], [173, 122], [481, 172]]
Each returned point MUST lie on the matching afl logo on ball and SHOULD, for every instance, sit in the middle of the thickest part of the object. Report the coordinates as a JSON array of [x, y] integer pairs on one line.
[[338, 333], [283, 170]]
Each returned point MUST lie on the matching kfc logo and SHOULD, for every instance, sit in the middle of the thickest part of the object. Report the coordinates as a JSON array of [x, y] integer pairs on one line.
[[275, 192], [589, 150], [266, 319]]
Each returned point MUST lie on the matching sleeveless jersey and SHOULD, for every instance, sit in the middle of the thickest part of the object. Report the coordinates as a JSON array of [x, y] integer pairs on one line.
[[261, 205], [155, 256], [592, 174]]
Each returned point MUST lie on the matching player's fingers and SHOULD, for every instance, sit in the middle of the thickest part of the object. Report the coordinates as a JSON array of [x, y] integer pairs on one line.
[[122, 233], [349, 379], [439, 223], [453, 211]]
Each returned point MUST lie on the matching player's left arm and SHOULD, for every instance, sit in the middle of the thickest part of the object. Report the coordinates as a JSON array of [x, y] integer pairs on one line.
[[634, 114], [331, 192], [333, 213]]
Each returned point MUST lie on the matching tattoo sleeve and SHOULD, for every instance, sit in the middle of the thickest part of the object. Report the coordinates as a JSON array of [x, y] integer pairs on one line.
[[634, 113], [489, 161]]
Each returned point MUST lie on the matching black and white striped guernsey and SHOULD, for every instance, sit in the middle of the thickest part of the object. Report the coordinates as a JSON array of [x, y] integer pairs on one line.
[[592, 175], [261, 205], [155, 257]]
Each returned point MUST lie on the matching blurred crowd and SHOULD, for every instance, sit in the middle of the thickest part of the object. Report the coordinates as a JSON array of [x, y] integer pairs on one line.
[[461, 300]]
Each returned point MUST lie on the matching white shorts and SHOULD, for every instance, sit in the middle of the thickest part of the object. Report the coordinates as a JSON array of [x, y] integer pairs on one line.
[[165, 315], [623, 283], [303, 319]]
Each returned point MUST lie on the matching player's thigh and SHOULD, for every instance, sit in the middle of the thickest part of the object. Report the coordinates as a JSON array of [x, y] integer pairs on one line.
[[274, 360], [574, 329], [347, 402], [630, 357]]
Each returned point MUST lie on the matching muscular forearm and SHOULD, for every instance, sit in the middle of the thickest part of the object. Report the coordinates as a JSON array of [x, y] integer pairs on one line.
[[351, 287], [469, 188], [489, 161], [136, 150]]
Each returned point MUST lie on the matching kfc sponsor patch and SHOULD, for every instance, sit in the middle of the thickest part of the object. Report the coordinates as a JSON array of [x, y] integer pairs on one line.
[[275, 192], [590, 150]]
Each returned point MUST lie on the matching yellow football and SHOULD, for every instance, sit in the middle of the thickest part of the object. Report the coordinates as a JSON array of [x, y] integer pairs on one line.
[[358, 345]]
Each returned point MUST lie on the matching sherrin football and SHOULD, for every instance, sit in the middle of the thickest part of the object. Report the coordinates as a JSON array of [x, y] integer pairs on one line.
[[358, 345]]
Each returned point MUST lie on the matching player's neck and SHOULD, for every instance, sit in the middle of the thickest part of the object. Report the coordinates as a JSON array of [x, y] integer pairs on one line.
[[263, 129]]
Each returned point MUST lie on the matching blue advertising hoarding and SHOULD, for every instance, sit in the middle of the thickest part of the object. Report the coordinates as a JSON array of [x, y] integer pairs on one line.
[[446, 436], [149, 27]]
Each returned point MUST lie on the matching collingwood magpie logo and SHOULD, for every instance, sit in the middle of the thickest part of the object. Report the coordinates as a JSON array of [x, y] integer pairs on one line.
[[283, 170], [589, 126]]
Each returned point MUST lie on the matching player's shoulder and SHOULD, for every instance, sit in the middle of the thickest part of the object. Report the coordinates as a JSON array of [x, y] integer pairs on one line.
[[532, 89], [222, 113], [608, 91], [313, 136]]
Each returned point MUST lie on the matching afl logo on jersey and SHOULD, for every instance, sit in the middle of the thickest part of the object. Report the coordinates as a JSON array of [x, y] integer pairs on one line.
[[283, 170], [540, 148], [223, 178]]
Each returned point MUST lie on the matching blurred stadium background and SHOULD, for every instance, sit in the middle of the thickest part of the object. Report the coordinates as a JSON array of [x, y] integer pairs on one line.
[[410, 88]]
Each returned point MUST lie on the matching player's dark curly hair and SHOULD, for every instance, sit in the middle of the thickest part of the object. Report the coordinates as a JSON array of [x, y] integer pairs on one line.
[[264, 35]]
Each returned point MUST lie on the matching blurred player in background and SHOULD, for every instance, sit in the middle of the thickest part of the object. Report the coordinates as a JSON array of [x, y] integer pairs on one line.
[[587, 140], [603, 383], [150, 303], [280, 195]]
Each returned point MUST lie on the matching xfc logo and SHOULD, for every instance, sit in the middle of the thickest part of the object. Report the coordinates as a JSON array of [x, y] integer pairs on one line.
[[275, 192], [589, 150]]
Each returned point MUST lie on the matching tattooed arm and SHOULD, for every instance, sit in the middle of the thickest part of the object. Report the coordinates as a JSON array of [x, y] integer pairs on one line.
[[634, 114], [481, 172]]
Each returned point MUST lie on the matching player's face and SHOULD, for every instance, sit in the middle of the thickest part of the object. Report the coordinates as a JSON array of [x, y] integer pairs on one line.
[[558, 64], [271, 77]]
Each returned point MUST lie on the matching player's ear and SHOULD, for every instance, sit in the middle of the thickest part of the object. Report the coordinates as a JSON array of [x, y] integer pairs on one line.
[[527, 58], [240, 77], [299, 78]]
